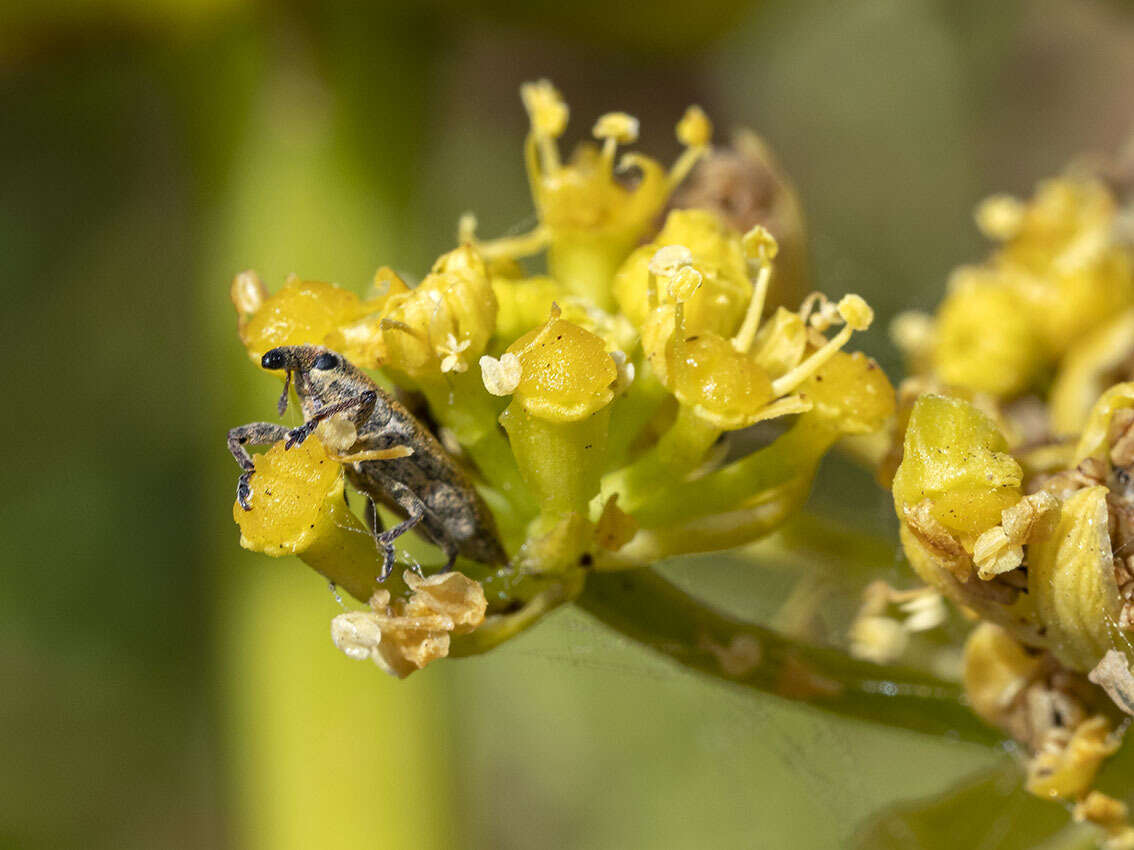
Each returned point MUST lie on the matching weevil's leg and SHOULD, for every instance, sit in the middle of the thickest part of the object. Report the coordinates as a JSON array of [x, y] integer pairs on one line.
[[373, 520], [451, 551], [415, 511], [364, 402], [374, 524], [253, 434]]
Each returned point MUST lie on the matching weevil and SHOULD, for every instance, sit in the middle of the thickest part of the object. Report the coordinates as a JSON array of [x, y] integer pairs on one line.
[[416, 479]]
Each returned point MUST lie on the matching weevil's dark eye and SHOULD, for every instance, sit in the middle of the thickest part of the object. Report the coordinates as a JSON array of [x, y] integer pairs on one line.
[[326, 360], [274, 359]]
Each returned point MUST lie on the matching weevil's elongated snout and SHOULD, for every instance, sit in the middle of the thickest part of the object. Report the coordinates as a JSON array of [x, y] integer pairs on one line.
[[282, 357]]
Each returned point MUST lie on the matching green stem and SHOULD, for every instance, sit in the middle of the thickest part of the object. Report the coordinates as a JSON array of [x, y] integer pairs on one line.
[[648, 608], [792, 457], [499, 628], [677, 453], [808, 537], [632, 413]]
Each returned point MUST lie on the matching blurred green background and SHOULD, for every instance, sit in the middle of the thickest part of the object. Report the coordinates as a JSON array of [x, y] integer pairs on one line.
[[161, 688]]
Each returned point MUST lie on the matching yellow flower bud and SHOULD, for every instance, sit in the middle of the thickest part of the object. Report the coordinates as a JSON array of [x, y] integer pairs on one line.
[[445, 323], [298, 509], [1077, 275], [567, 372], [851, 392], [985, 339], [302, 312], [997, 669], [717, 253], [1071, 581], [724, 387], [956, 457], [1087, 370]]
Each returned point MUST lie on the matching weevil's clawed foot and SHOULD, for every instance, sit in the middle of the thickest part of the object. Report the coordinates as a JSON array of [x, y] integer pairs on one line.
[[449, 564], [296, 436], [244, 491], [387, 562]]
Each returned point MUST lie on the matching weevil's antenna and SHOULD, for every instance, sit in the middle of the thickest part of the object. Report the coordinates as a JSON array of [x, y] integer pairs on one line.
[[281, 405]]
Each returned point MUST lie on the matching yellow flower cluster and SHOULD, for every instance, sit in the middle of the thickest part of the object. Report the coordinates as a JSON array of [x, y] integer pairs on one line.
[[1044, 558], [1050, 311], [616, 376]]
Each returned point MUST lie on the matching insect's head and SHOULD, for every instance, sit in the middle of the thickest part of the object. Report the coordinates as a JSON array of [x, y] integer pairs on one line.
[[320, 374]]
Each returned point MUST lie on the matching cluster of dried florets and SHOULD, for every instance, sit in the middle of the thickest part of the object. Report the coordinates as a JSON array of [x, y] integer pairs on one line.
[[617, 377]]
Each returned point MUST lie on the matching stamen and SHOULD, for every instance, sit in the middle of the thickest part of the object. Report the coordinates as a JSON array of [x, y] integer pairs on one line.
[[548, 115], [857, 316], [466, 228], [695, 131], [743, 339], [1000, 217], [615, 128]]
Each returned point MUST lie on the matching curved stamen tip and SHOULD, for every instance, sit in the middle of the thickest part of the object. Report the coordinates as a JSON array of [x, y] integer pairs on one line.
[[855, 312], [667, 260], [619, 126], [684, 282], [1000, 217], [760, 245], [546, 108], [694, 130], [466, 228]]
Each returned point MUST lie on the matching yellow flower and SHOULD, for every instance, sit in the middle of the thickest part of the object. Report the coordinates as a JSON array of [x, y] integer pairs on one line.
[[956, 458], [714, 249], [303, 311], [745, 185], [590, 217], [445, 322], [986, 340], [567, 374], [612, 394], [298, 509]]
